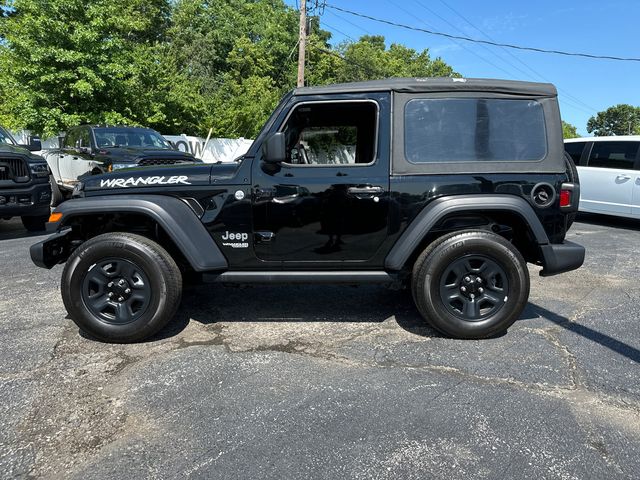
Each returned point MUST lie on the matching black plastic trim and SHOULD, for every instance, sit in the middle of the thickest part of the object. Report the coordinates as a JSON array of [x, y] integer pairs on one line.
[[328, 277], [50, 252], [172, 214], [432, 213], [561, 257]]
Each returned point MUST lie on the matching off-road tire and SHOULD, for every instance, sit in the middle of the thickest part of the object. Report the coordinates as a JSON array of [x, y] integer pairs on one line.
[[35, 224], [504, 294], [151, 276]]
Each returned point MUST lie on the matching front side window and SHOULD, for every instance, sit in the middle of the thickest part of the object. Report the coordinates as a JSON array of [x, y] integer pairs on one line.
[[440, 130], [613, 155], [322, 134]]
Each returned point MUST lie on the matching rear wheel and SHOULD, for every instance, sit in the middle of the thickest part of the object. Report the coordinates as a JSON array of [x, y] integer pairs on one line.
[[121, 287], [471, 284]]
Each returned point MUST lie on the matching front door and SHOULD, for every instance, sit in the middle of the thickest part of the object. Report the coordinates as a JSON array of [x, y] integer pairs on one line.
[[329, 201]]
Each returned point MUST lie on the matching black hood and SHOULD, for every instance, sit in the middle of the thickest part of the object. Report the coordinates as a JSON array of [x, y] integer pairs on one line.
[[133, 154], [15, 150], [162, 177]]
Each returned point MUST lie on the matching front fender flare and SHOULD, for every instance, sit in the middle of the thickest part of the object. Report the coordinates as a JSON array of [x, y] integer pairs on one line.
[[172, 214]]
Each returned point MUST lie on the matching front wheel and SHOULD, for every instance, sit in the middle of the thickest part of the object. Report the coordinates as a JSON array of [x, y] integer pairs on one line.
[[471, 284], [121, 287]]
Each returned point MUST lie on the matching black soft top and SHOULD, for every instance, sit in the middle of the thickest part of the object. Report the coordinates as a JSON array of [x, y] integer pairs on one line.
[[441, 84]]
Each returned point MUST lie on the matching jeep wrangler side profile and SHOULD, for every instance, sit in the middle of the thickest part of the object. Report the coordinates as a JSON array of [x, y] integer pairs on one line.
[[446, 185]]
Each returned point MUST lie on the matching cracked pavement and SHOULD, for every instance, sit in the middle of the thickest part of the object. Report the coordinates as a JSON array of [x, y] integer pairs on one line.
[[327, 382]]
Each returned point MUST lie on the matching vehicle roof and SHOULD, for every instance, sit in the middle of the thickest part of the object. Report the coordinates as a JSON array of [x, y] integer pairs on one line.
[[612, 138], [440, 84], [112, 126]]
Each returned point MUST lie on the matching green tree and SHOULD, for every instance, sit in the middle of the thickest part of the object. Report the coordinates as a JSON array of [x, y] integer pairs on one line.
[[369, 58], [620, 119], [568, 130], [63, 62]]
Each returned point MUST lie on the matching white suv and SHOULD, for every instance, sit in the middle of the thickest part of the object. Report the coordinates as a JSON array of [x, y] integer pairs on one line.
[[609, 169]]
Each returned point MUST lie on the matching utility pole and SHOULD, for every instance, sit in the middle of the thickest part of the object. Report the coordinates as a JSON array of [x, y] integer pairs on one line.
[[302, 42]]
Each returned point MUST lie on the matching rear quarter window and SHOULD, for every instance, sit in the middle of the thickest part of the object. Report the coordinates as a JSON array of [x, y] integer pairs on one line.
[[441, 130]]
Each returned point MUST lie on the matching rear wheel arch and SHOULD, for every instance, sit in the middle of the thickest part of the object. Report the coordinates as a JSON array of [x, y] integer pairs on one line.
[[508, 216]]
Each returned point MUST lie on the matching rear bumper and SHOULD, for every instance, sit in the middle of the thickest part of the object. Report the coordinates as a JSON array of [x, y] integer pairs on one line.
[[29, 201], [561, 257], [52, 251]]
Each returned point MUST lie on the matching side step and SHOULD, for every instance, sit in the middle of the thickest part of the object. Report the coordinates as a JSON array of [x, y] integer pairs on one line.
[[340, 277]]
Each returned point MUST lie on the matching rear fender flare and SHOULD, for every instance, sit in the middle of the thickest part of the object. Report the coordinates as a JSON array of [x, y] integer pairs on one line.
[[411, 238]]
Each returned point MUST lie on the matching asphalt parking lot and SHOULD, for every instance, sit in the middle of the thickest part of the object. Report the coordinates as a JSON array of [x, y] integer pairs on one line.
[[327, 382]]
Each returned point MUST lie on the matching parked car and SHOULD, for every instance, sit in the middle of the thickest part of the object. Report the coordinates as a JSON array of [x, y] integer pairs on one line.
[[449, 188], [96, 149], [24, 182], [609, 170]]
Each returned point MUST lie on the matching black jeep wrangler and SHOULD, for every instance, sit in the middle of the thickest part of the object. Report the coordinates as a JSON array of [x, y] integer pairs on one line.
[[448, 186], [24, 183], [97, 149]]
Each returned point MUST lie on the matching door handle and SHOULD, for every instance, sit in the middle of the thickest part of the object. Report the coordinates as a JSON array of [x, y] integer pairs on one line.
[[622, 176], [366, 190]]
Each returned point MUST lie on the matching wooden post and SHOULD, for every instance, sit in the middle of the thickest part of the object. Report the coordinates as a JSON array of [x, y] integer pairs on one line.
[[302, 42]]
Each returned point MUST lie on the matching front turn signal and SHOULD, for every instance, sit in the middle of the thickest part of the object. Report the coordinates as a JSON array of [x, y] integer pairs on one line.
[[55, 217]]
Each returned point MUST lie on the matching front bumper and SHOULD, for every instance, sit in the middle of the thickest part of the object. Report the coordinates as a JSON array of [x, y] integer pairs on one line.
[[29, 201], [561, 257], [52, 251]]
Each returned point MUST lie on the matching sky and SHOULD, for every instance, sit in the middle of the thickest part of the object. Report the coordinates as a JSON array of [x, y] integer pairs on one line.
[[585, 86]]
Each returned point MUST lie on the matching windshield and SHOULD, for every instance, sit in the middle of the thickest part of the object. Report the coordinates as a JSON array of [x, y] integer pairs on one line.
[[5, 138], [129, 137]]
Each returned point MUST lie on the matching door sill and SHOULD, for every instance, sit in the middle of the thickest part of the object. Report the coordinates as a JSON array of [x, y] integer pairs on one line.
[[301, 277]]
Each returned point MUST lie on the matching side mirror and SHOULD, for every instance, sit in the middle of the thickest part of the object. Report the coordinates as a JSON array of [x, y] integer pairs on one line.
[[85, 150], [274, 148], [34, 144]]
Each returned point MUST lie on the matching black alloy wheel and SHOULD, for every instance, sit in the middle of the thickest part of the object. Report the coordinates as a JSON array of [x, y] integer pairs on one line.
[[474, 287], [116, 291]]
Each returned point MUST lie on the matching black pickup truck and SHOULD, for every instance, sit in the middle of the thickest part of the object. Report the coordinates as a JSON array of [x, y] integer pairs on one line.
[[24, 183], [445, 186], [96, 149]]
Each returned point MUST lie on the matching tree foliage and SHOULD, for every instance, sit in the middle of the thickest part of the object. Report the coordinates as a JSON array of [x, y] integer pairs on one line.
[[620, 119], [175, 65], [568, 130]]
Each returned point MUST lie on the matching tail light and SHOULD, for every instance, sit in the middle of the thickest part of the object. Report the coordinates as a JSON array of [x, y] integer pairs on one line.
[[569, 197]]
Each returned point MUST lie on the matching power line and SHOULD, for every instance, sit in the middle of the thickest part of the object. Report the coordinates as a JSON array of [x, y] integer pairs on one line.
[[576, 100], [486, 42]]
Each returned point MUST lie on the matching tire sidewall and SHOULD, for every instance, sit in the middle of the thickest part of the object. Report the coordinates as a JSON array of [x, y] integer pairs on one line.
[[100, 249], [447, 252]]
